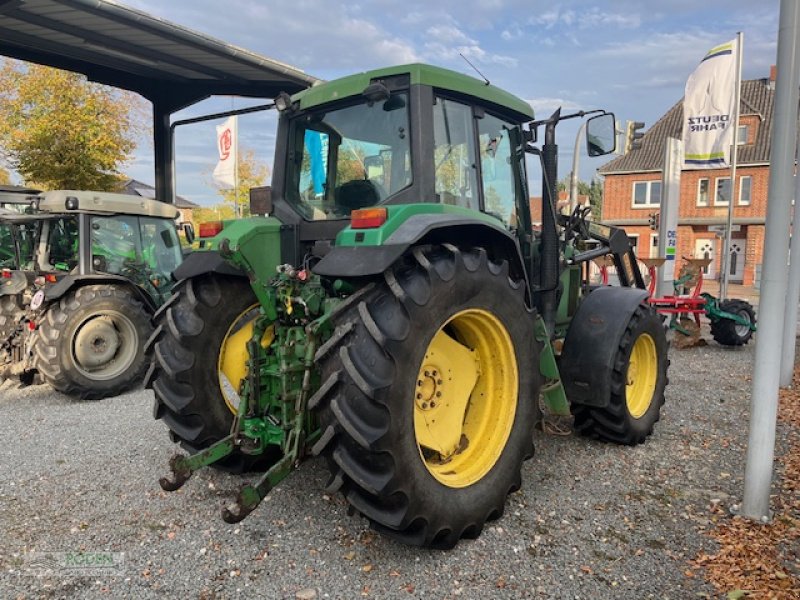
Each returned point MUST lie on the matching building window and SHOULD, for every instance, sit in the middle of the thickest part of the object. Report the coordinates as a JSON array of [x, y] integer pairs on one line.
[[723, 193], [743, 135], [745, 185], [702, 192], [646, 193]]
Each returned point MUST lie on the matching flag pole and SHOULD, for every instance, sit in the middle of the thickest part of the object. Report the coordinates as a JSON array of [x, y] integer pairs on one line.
[[726, 247]]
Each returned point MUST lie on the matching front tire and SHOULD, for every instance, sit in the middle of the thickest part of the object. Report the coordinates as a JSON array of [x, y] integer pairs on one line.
[[729, 333], [638, 380], [90, 343], [429, 393]]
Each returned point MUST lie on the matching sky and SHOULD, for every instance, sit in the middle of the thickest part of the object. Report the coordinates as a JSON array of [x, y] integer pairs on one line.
[[628, 57]]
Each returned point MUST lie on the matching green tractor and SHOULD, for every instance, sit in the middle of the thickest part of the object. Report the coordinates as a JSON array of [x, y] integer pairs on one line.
[[398, 313], [81, 275]]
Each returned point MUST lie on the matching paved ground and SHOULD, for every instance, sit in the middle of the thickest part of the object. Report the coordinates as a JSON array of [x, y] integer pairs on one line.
[[592, 520]]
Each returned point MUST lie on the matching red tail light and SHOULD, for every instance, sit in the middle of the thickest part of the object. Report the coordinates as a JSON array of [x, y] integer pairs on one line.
[[368, 218], [6, 274], [210, 229]]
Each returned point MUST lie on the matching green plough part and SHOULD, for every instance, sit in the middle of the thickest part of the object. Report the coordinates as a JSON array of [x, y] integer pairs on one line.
[[715, 313]]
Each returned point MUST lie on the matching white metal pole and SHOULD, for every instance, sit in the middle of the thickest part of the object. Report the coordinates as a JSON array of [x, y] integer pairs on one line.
[[737, 98], [668, 221], [573, 177], [792, 293], [766, 370]]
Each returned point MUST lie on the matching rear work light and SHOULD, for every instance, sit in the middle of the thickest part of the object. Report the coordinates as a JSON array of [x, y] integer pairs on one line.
[[210, 229], [368, 218]]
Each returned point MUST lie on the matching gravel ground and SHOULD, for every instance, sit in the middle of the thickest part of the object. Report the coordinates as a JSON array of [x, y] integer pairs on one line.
[[592, 520]]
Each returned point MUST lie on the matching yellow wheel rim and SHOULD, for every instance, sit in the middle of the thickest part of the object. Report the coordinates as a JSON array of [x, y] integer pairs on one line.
[[465, 398], [641, 376], [232, 362]]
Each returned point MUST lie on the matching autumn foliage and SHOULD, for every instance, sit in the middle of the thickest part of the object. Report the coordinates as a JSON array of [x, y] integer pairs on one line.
[[763, 561], [59, 131]]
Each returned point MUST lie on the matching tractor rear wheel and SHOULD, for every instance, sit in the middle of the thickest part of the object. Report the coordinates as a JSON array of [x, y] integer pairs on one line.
[[90, 343], [199, 354], [638, 379], [10, 313], [428, 399], [730, 333]]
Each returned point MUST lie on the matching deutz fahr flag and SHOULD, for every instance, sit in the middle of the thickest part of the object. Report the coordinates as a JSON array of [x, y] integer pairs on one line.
[[708, 110]]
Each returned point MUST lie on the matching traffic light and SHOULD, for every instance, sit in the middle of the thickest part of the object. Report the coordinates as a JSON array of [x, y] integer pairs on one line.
[[633, 137], [653, 221]]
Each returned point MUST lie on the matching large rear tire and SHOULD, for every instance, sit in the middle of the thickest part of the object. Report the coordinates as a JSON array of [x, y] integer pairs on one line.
[[729, 333], [199, 357], [90, 343], [10, 314], [638, 380], [429, 393]]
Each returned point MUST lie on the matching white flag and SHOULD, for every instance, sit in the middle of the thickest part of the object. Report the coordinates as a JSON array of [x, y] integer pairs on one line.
[[225, 171], [708, 109]]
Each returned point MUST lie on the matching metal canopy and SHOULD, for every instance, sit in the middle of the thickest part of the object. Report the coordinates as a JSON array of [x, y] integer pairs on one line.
[[169, 65], [118, 46]]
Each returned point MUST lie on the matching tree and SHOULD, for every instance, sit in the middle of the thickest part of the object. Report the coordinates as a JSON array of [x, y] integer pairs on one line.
[[59, 131], [5, 178], [252, 173]]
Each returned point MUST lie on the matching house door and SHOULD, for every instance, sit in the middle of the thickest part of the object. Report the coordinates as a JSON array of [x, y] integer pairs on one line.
[[736, 271], [705, 249]]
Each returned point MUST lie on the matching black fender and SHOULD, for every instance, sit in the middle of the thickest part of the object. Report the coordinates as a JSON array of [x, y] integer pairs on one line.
[[362, 261], [70, 282], [201, 262], [592, 341]]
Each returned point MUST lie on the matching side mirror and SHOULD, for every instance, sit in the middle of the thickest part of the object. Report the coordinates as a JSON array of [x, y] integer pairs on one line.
[[261, 200], [601, 135], [188, 232]]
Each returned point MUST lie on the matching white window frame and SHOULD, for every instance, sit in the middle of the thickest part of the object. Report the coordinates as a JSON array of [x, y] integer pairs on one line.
[[742, 135], [741, 187], [634, 240], [716, 191], [708, 191], [647, 203]]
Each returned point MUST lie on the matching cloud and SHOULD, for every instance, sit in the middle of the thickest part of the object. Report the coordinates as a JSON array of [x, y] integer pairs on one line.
[[548, 105], [448, 42], [592, 18]]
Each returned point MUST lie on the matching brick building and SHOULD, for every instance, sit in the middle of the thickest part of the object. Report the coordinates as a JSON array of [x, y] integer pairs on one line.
[[632, 190]]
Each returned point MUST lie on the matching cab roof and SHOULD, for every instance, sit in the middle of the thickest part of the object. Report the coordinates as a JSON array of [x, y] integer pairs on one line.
[[57, 201], [436, 77]]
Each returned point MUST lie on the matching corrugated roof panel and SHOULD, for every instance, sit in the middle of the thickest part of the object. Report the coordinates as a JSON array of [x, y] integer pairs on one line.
[[130, 49]]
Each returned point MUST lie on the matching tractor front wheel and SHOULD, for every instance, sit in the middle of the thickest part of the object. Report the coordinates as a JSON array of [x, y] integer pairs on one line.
[[729, 333], [428, 398], [638, 379], [90, 343]]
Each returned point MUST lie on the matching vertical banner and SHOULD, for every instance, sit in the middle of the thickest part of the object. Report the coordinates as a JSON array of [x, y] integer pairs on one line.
[[708, 109], [225, 171]]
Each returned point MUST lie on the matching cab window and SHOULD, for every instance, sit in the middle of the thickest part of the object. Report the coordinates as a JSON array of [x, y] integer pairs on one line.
[[497, 168], [454, 154]]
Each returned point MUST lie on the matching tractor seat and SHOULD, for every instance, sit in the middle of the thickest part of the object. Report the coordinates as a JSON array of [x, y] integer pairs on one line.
[[358, 193]]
